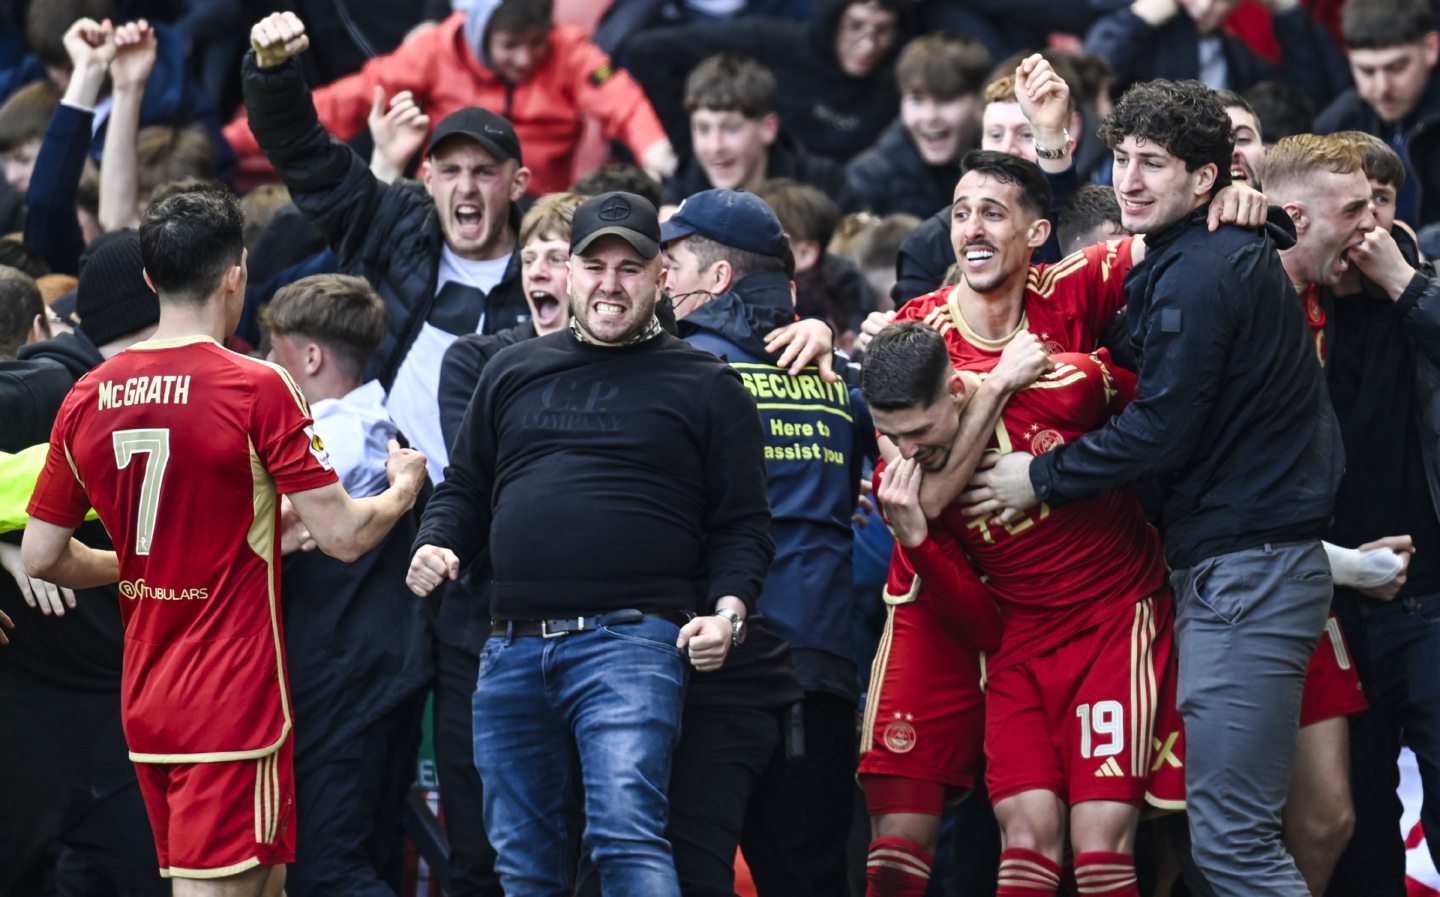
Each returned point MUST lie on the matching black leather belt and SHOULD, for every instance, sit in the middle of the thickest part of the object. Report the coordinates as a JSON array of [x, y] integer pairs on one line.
[[570, 625]]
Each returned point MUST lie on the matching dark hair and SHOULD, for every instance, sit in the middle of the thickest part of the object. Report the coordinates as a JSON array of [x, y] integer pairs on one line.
[[16, 253], [342, 313], [1283, 111], [947, 66], [1230, 98], [805, 211], [878, 244], [189, 240], [164, 154], [1090, 207], [46, 23], [730, 83], [906, 365], [1185, 118], [708, 252], [1381, 163], [1035, 193], [1374, 24], [1093, 72], [26, 114], [621, 176], [20, 302], [519, 17]]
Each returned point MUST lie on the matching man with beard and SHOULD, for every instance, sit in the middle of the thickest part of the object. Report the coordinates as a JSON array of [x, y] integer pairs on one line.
[[652, 455]]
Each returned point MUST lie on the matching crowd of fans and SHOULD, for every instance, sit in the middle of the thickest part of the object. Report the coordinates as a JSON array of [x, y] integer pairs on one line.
[[920, 234]]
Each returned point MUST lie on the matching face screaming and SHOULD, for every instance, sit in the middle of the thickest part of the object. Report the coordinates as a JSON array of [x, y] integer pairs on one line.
[[613, 290]]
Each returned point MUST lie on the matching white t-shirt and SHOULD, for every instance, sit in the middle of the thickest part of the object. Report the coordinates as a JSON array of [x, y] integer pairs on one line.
[[355, 429], [414, 397]]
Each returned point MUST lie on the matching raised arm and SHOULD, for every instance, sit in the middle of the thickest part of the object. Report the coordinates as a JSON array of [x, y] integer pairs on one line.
[[119, 172]]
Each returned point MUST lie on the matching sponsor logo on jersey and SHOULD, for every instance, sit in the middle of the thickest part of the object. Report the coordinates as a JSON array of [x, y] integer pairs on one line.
[[317, 447], [135, 589]]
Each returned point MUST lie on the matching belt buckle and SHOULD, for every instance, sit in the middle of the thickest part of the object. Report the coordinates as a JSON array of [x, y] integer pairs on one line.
[[546, 633]]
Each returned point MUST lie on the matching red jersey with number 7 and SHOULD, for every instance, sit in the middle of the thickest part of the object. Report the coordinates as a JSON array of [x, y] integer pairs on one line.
[[1059, 571], [183, 448]]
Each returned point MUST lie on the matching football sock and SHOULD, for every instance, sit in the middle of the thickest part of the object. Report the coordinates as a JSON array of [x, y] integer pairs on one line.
[[1106, 875], [1025, 873], [896, 867]]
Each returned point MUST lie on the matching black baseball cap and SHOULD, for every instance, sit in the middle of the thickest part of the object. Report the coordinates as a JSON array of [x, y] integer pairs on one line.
[[494, 132], [730, 218], [630, 217]]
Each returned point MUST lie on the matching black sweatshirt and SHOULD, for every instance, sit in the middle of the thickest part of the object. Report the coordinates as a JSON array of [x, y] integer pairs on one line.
[[605, 478]]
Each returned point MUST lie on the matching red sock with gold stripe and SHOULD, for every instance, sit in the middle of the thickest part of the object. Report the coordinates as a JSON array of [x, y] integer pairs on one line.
[[1025, 873], [1106, 875], [897, 867]]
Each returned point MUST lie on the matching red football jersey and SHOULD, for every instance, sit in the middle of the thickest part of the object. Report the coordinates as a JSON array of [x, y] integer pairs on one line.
[[1059, 571], [1315, 318], [1067, 305], [183, 447]]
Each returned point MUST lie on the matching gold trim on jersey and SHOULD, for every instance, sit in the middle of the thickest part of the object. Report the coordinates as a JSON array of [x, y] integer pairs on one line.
[[172, 342], [261, 539], [951, 310], [877, 675], [222, 872], [70, 459], [1042, 283], [910, 594], [1142, 686]]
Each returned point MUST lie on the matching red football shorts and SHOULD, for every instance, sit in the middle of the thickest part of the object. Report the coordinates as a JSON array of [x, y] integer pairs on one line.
[[1095, 718], [218, 819], [925, 714], [1332, 686]]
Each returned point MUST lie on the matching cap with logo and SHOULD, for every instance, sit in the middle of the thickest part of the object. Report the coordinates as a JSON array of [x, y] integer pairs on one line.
[[625, 215], [494, 132], [731, 218]]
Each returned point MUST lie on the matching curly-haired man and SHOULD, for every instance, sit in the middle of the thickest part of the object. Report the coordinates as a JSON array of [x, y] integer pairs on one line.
[[1232, 418]]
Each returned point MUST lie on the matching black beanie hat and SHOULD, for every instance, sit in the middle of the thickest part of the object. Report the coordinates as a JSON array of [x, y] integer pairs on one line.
[[113, 298]]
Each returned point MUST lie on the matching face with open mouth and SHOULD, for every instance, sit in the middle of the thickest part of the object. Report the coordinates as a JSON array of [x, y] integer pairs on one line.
[[542, 275], [473, 192], [732, 149], [613, 290], [1247, 162], [1337, 214], [992, 233], [940, 128]]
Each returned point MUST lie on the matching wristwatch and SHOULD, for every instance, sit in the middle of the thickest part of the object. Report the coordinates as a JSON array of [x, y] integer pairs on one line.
[[737, 625], [1060, 152]]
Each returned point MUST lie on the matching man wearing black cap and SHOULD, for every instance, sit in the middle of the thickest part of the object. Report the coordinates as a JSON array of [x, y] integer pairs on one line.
[[445, 260], [60, 675], [651, 455]]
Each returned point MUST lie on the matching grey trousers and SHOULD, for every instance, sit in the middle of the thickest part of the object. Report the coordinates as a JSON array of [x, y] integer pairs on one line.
[[1246, 625]]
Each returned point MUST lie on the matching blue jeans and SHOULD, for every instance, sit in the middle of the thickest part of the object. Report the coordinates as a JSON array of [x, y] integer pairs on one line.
[[1396, 647], [574, 735]]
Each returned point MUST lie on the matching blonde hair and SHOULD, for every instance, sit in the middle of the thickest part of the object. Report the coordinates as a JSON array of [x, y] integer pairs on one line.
[[1294, 159], [552, 216]]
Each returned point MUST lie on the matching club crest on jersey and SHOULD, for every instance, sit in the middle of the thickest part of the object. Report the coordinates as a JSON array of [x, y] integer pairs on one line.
[[1044, 441], [899, 735], [317, 447]]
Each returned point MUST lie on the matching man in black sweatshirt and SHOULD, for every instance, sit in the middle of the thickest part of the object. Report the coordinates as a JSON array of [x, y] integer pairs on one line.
[[1232, 418], [651, 455]]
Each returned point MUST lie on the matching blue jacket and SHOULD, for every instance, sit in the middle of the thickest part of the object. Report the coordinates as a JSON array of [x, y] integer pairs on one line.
[[817, 436]]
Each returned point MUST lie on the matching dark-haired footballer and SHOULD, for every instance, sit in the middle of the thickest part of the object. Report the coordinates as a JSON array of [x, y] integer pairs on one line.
[[1232, 418]]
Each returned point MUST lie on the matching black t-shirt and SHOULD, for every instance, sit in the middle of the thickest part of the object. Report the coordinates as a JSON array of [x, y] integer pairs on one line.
[[1371, 374]]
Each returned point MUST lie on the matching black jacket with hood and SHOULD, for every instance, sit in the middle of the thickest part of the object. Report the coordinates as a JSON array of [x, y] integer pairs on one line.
[[388, 234], [827, 111], [33, 386], [1419, 131], [786, 159], [892, 176]]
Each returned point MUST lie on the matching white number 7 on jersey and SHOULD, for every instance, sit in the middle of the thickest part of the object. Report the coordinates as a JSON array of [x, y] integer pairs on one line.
[[128, 444]]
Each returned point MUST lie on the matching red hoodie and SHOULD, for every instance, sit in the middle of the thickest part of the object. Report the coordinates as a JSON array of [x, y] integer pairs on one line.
[[576, 81]]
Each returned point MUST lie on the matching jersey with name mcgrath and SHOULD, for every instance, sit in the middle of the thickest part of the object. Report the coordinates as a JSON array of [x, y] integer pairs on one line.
[[183, 448], [1067, 306], [1059, 571]]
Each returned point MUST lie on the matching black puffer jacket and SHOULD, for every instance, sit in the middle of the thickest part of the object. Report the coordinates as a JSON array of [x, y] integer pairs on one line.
[[388, 234], [829, 112], [892, 176]]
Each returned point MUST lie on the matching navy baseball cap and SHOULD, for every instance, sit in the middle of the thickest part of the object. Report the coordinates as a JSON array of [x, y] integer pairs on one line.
[[494, 132], [730, 218]]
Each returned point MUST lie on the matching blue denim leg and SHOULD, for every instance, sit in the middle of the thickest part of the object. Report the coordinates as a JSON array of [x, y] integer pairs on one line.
[[621, 690], [607, 702], [526, 758]]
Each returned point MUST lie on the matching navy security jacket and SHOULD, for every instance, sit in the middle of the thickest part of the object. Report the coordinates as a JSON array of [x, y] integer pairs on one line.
[[817, 436]]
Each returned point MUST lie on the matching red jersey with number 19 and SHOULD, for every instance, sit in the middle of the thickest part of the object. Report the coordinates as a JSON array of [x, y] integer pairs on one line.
[[1059, 571], [183, 448]]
